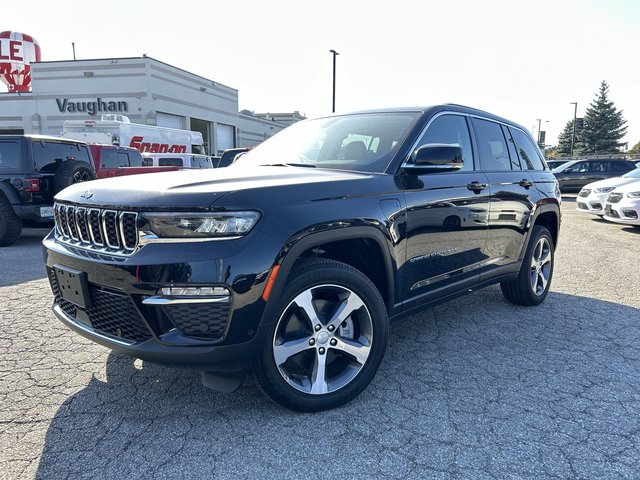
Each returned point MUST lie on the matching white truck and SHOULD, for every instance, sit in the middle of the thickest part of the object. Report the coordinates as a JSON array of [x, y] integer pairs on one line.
[[118, 130]]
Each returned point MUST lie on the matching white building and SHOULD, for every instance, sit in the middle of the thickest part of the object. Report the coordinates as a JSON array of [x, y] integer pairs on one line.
[[144, 89]]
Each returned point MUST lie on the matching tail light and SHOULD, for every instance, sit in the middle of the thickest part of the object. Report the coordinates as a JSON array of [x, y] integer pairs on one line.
[[32, 185]]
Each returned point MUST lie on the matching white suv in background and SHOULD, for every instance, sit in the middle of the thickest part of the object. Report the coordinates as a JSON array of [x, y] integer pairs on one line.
[[623, 204], [593, 196]]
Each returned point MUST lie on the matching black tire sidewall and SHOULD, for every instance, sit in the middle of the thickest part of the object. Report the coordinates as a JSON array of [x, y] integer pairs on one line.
[[326, 272], [10, 223]]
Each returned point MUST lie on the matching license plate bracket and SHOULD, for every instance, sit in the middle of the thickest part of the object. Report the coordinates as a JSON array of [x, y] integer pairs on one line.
[[73, 285]]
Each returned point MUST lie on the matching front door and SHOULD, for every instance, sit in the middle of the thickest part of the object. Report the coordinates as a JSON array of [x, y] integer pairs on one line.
[[446, 216]]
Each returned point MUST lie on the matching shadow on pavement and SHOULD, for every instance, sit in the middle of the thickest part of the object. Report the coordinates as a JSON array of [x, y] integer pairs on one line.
[[471, 388], [22, 261]]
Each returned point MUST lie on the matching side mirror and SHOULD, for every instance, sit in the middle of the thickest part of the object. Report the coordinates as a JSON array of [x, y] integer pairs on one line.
[[436, 157], [568, 170]]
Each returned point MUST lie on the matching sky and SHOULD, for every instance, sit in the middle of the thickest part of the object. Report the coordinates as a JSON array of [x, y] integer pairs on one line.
[[521, 60]]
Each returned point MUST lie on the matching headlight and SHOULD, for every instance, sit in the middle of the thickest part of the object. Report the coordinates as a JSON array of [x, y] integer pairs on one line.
[[181, 224], [604, 189], [633, 194]]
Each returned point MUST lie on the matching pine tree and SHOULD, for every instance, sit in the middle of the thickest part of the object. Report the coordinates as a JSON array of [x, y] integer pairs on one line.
[[604, 125], [564, 140]]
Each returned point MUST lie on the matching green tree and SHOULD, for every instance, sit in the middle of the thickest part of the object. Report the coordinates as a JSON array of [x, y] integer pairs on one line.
[[564, 140], [604, 125], [636, 148], [551, 153]]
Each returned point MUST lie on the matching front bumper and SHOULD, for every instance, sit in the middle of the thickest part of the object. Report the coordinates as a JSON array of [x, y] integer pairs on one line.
[[626, 211], [121, 314], [593, 203]]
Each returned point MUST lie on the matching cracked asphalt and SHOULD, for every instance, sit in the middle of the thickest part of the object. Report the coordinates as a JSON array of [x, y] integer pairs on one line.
[[475, 388]]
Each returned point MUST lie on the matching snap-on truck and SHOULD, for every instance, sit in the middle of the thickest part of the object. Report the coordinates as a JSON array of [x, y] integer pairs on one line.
[[118, 130]]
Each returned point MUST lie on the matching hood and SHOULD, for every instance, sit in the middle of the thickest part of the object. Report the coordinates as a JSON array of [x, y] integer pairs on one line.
[[629, 187], [610, 182], [195, 189]]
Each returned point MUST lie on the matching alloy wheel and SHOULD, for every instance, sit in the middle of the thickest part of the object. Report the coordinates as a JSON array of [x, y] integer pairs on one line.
[[541, 266], [323, 339]]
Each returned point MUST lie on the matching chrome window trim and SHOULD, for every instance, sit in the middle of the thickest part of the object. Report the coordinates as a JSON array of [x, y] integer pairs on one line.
[[426, 127], [471, 137]]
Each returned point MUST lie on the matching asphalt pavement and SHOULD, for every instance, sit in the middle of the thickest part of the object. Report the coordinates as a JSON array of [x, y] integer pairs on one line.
[[475, 388]]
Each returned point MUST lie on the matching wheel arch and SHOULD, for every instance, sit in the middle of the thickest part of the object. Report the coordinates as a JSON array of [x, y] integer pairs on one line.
[[9, 193], [295, 250]]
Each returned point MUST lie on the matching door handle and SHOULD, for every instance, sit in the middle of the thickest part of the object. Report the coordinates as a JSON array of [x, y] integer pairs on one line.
[[525, 183], [476, 186]]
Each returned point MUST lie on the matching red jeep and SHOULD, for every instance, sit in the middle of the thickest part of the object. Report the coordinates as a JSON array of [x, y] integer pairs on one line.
[[115, 161]]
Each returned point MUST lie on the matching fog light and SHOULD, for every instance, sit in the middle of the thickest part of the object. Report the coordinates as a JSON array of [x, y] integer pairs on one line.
[[194, 291]]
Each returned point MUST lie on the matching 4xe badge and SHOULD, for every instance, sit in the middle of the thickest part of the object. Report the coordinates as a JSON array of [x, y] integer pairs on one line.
[[86, 194]]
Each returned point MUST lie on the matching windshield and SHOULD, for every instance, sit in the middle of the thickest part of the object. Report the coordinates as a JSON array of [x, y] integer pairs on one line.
[[564, 166], [362, 142], [632, 174]]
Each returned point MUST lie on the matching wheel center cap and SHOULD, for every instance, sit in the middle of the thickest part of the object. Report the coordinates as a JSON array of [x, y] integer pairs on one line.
[[323, 337]]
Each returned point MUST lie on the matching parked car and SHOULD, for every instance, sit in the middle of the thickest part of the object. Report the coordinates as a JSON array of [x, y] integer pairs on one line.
[[32, 169], [229, 156], [293, 266], [575, 174], [179, 160], [593, 196], [115, 161], [623, 205], [555, 163]]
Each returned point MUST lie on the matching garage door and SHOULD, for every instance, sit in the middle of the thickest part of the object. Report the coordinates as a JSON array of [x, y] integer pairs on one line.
[[170, 121], [225, 136]]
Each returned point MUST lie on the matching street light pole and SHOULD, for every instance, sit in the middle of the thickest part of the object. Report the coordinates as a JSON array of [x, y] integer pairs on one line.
[[573, 135], [333, 104], [539, 120]]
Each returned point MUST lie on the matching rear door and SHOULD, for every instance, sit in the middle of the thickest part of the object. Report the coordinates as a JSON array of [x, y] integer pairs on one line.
[[511, 188], [446, 217]]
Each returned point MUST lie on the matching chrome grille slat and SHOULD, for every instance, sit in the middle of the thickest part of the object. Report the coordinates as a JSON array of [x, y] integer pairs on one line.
[[106, 231]]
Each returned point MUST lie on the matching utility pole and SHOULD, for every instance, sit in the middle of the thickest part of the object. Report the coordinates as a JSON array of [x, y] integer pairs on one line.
[[333, 104], [73, 47], [573, 135], [539, 120]]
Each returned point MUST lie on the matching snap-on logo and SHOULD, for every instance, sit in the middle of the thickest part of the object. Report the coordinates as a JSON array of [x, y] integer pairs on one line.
[[139, 143]]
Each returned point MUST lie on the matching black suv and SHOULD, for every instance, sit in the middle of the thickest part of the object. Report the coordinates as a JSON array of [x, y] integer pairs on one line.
[[292, 260], [574, 175], [33, 168]]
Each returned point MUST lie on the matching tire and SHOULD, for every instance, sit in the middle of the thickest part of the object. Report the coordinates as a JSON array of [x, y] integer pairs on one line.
[[532, 284], [70, 172], [351, 347], [10, 223]]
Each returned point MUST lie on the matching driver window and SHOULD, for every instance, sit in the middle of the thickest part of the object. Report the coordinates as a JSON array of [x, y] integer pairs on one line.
[[450, 130]]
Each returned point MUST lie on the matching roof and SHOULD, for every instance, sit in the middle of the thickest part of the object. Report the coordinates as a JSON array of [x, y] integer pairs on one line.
[[44, 137]]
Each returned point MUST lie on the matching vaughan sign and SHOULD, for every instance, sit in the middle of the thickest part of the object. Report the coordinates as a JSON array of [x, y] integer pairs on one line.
[[97, 106]]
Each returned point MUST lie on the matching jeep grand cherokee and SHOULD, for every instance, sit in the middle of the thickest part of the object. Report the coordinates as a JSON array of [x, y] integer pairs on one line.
[[292, 261]]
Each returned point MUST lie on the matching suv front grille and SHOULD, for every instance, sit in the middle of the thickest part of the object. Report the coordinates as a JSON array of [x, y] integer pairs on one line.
[[614, 197], [104, 230]]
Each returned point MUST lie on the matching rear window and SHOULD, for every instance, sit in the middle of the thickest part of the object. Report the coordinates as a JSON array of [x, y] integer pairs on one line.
[[48, 155], [170, 162], [114, 159], [10, 157], [201, 162]]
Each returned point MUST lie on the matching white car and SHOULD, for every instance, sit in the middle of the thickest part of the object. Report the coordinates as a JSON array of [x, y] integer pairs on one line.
[[593, 196], [623, 205]]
